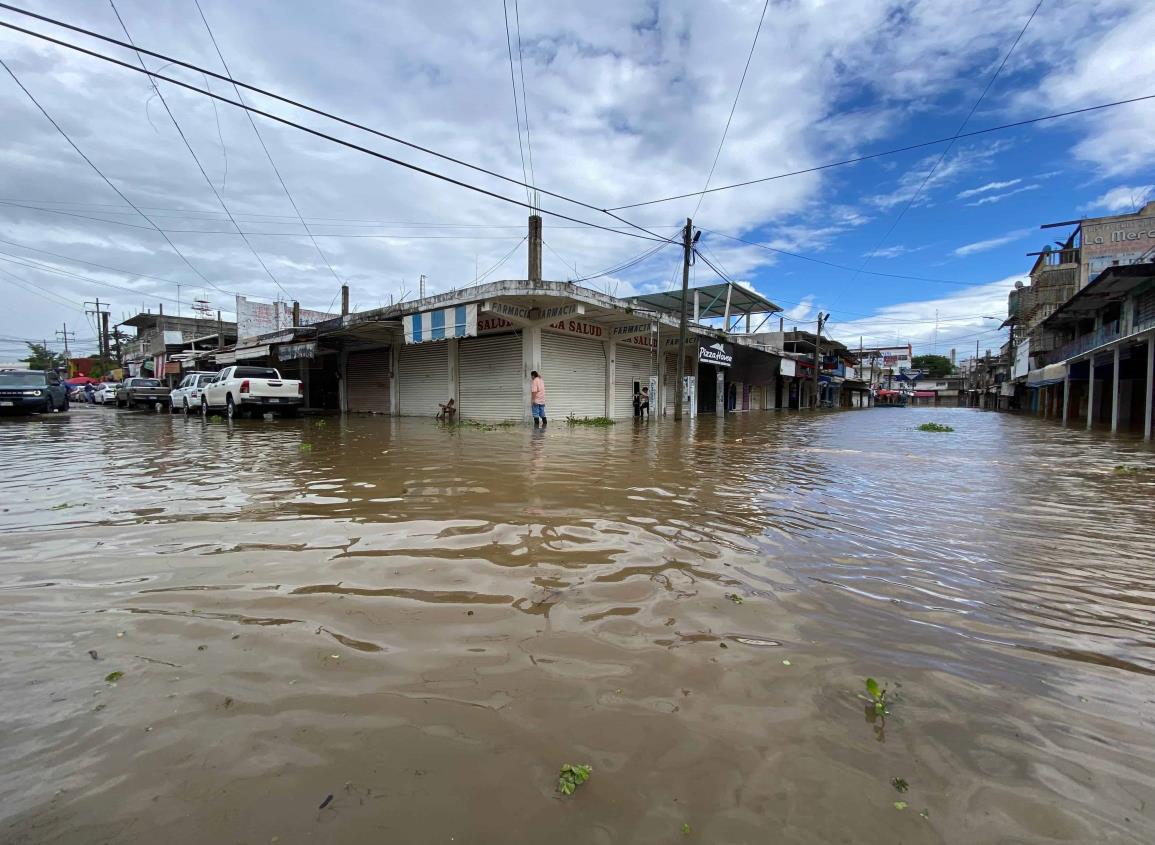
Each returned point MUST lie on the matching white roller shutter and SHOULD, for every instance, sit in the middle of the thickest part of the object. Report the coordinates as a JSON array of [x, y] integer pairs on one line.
[[492, 378], [367, 381], [423, 378], [574, 372], [631, 364]]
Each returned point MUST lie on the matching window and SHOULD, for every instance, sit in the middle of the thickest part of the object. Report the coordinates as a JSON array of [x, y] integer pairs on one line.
[[145, 382], [255, 372], [21, 379]]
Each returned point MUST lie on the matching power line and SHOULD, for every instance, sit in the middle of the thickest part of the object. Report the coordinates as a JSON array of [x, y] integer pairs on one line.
[[36, 290], [196, 159], [524, 96], [733, 107], [35, 265], [650, 236], [516, 113], [98, 171], [883, 153], [508, 255], [624, 265], [268, 155], [950, 145], [837, 266]]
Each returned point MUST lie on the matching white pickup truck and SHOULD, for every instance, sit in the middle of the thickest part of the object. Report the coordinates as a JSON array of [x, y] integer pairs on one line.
[[238, 390]]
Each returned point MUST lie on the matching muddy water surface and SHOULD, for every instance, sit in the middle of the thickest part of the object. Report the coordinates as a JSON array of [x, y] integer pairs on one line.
[[425, 624]]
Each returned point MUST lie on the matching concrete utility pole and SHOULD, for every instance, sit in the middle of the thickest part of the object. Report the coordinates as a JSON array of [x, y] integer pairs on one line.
[[101, 329], [687, 246], [534, 248], [818, 354], [64, 335], [344, 300]]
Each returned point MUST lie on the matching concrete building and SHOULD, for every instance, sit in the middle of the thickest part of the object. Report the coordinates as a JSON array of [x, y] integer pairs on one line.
[[165, 346]]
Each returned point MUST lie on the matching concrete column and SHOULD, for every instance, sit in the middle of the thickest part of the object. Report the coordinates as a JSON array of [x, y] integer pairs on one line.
[[660, 400], [342, 374], [1066, 394], [453, 388], [697, 305], [611, 351], [531, 358], [1115, 393], [720, 392], [394, 382], [1090, 391], [1147, 394]]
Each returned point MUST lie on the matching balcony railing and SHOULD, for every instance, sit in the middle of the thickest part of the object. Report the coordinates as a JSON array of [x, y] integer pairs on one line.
[[1106, 334]]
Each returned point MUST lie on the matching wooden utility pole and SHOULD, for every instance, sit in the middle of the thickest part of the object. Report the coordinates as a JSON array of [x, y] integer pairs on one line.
[[687, 246], [818, 354]]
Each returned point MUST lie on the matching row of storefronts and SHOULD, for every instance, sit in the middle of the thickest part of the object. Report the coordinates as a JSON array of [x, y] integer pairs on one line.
[[478, 346]]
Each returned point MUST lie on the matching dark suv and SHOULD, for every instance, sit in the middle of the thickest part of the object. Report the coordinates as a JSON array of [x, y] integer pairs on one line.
[[24, 391]]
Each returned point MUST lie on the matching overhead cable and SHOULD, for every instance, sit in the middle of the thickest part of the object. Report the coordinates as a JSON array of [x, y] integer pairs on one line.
[[196, 159], [282, 99], [733, 107], [334, 139], [883, 153]]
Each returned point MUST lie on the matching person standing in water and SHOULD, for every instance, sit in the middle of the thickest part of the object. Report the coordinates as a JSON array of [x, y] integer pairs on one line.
[[537, 398]]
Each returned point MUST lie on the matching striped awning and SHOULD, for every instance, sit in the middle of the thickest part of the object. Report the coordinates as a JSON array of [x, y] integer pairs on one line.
[[441, 324]]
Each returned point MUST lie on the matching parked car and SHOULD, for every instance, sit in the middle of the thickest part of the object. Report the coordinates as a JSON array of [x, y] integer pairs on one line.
[[31, 391], [186, 396], [105, 393], [135, 392], [238, 390]]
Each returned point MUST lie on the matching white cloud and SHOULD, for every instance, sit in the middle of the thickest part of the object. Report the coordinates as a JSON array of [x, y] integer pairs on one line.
[[802, 310], [963, 317], [993, 198], [893, 251], [989, 186], [992, 243], [1121, 199]]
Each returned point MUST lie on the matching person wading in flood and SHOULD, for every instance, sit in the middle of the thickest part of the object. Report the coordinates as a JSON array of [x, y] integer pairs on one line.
[[537, 398]]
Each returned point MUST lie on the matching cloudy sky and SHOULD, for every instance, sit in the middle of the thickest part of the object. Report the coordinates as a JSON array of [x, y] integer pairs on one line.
[[626, 103]]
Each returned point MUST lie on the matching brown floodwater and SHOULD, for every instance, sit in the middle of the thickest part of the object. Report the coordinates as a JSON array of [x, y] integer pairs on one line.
[[425, 624]]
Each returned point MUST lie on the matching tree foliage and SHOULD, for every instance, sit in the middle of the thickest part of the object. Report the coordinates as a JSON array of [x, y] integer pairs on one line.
[[41, 358], [935, 366]]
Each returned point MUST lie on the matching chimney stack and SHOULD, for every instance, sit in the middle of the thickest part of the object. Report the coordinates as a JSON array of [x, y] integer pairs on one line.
[[344, 300], [296, 314], [534, 248]]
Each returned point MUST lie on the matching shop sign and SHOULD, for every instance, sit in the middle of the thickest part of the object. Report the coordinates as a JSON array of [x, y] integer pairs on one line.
[[295, 351], [578, 327], [441, 324], [1116, 242], [490, 325], [503, 309], [788, 368], [717, 354], [630, 330]]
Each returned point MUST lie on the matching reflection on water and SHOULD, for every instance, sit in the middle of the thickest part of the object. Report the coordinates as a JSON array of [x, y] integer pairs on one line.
[[426, 623]]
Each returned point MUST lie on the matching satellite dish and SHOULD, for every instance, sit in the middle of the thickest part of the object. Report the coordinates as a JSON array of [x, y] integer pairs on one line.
[[1018, 285]]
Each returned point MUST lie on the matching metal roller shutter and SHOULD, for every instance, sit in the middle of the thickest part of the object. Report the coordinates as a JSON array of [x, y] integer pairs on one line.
[[492, 378], [631, 364], [367, 381], [574, 371], [423, 378]]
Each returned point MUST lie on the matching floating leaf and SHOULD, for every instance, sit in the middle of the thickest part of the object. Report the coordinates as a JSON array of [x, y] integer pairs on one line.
[[873, 689], [900, 784], [924, 813], [113, 677], [900, 805], [685, 829], [787, 663]]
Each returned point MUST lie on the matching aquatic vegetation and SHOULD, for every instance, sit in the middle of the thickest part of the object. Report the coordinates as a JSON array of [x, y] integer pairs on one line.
[[734, 597], [306, 447], [686, 828], [900, 784], [598, 422], [571, 777], [113, 677], [900, 805], [878, 697], [933, 426]]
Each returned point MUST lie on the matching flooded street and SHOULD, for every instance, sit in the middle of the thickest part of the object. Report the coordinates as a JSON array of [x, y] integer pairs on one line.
[[427, 623]]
